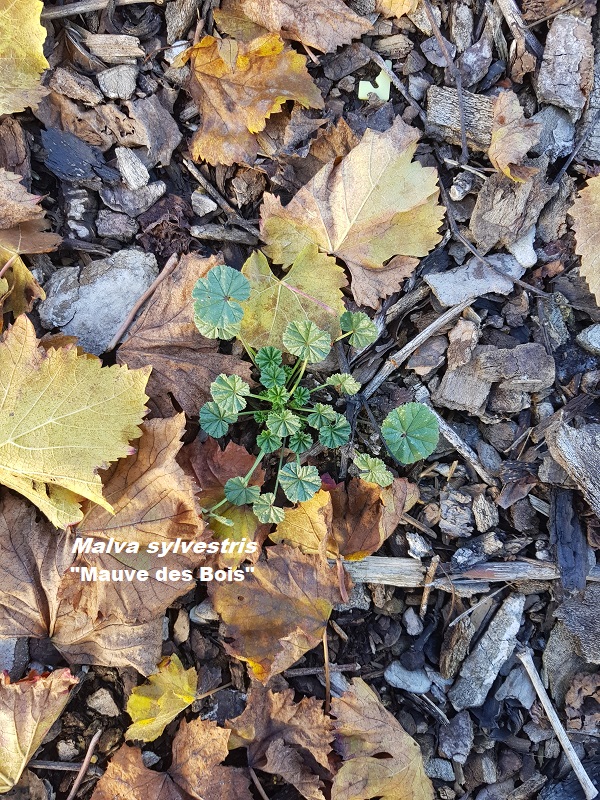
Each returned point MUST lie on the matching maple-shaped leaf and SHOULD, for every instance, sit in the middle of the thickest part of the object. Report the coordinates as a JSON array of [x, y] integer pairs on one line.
[[199, 748], [279, 611], [585, 212], [395, 8], [127, 778], [163, 697], [380, 758], [184, 363], [512, 137], [212, 468], [237, 85], [28, 709], [325, 25], [22, 59], [297, 296], [62, 418], [22, 230], [284, 738], [375, 204], [351, 521]]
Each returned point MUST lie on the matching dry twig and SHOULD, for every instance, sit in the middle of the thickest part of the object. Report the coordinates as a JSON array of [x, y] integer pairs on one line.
[[85, 6], [85, 764]]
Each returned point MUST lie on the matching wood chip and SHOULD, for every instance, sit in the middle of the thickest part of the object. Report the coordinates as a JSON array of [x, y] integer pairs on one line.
[[443, 117], [475, 279]]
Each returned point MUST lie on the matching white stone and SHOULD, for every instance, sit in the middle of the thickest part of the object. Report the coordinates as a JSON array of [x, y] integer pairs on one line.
[[202, 203], [523, 250], [102, 701], [416, 681], [589, 339]]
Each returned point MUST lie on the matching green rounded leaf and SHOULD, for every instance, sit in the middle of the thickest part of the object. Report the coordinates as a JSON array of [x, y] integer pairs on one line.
[[411, 432], [238, 493], [229, 391], [300, 442], [268, 441], [320, 415], [217, 296], [265, 509], [363, 329], [305, 340], [299, 483], [268, 357], [215, 420], [272, 376], [283, 423], [335, 434], [343, 383], [277, 396], [373, 470], [301, 396]]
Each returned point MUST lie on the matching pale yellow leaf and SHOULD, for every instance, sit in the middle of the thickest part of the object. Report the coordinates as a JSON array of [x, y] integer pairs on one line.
[[586, 224], [157, 702], [22, 57], [396, 8], [512, 137]]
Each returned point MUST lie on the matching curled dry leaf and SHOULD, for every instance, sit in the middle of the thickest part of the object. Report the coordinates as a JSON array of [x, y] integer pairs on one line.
[[22, 60], [236, 86], [128, 779], [184, 363], [279, 611], [22, 230], [63, 418], [376, 203], [212, 468], [586, 215], [325, 25], [352, 522], [28, 709], [298, 296], [512, 137], [380, 758], [163, 697], [285, 738]]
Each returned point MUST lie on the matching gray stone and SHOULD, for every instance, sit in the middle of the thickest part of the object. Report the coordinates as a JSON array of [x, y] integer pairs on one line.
[[67, 750], [359, 598], [202, 203], [589, 339], [519, 687], [412, 623], [116, 226], [203, 613], [132, 168], [118, 83], [102, 701], [441, 769], [416, 681], [456, 739], [130, 201], [93, 301], [557, 135], [523, 249], [7, 654]]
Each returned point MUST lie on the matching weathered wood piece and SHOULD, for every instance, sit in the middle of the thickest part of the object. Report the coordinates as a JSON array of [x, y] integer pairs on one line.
[[118, 83], [113, 48], [464, 388], [76, 86], [443, 117], [578, 453], [526, 367], [474, 279], [568, 537]]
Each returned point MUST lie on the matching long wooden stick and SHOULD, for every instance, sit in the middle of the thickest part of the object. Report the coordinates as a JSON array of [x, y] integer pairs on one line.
[[85, 6]]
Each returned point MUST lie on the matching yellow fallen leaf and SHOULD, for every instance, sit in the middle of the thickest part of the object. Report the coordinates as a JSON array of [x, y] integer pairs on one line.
[[396, 8], [380, 758], [22, 57], [586, 215], [512, 137], [28, 709], [62, 417], [237, 85], [308, 525], [374, 204], [298, 295], [157, 702]]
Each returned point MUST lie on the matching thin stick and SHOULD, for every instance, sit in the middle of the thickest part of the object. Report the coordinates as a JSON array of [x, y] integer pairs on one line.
[[257, 783], [302, 672], [588, 787], [429, 576], [327, 675], [85, 764], [555, 14], [377, 59], [396, 360], [218, 198], [168, 269], [464, 150], [479, 603], [85, 6], [463, 449], [62, 766], [8, 265], [589, 126], [204, 695]]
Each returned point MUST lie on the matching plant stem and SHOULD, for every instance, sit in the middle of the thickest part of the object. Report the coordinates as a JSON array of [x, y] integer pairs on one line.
[[316, 389], [299, 378], [279, 466], [343, 336], [259, 458], [249, 349]]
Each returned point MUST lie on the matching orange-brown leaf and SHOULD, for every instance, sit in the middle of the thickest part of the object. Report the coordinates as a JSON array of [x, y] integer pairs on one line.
[[278, 612], [184, 363], [128, 779], [237, 86], [512, 137], [380, 758]]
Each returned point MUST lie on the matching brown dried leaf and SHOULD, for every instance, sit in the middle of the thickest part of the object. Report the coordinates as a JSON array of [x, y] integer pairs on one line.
[[184, 363], [237, 85], [582, 704], [28, 709], [324, 26], [128, 779], [285, 738], [279, 612], [16, 203], [380, 758], [395, 8], [512, 137], [212, 468], [586, 213]]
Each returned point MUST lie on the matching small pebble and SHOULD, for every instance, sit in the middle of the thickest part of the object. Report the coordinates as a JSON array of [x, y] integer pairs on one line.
[[102, 702], [441, 769], [67, 751], [589, 339], [203, 613], [416, 681], [202, 203], [412, 623]]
